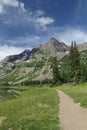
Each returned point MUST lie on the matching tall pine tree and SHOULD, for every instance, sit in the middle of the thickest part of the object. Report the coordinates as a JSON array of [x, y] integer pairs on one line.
[[56, 74], [74, 63]]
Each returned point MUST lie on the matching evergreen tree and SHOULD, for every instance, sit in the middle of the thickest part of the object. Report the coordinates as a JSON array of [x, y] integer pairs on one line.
[[74, 62], [56, 74], [83, 77]]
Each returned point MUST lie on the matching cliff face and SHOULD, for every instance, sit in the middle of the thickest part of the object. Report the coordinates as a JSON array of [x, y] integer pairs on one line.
[[24, 56], [54, 46]]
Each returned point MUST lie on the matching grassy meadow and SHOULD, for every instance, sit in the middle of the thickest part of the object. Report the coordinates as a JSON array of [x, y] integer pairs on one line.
[[35, 108]]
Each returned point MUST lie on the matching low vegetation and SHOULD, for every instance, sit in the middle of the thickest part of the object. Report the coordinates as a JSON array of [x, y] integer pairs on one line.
[[34, 109], [7, 93], [8, 78]]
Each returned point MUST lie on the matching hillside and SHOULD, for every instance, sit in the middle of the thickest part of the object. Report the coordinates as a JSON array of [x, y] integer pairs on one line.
[[35, 64], [82, 46], [32, 64]]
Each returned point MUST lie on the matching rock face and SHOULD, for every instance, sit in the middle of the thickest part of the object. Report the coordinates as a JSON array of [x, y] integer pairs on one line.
[[54, 46], [25, 55], [82, 46]]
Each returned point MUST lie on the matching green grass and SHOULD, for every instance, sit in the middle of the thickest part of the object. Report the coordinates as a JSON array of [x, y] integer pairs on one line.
[[31, 64], [45, 71], [7, 93], [25, 64], [35, 109], [77, 92], [8, 78], [39, 64]]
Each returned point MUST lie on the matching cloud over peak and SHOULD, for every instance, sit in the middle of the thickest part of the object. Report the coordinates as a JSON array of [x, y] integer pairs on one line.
[[9, 50], [68, 34]]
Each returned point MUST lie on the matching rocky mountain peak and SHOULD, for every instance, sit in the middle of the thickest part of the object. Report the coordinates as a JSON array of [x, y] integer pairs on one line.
[[52, 40], [53, 45], [26, 51]]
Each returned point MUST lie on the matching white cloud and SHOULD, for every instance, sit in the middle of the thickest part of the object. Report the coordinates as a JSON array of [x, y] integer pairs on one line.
[[6, 50], [44, 21], [21, 5], [67, 34], [1, 9], [71, 34], [25, 41], [22, 18], [9, 2], [22, 41], [40, 12], [13, 3], [9, 50]]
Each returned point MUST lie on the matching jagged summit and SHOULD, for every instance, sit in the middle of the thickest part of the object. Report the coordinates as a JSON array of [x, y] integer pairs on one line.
[[53, 45], [39, 46], [23, 56], [53, 40]]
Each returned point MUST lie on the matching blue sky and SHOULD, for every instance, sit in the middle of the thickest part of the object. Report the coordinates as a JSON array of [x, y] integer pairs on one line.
[[26, 23]]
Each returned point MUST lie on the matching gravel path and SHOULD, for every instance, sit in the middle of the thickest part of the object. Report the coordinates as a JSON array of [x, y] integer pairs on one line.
[[72, 116]]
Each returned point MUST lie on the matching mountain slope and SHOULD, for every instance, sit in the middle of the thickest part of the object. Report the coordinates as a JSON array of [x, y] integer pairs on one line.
[[82, 46], [25, 55], [35, 64]]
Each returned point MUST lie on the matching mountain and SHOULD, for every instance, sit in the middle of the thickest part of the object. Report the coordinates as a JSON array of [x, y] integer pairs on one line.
[[25, 55], [53, 46], [82, 46], [35, 64]]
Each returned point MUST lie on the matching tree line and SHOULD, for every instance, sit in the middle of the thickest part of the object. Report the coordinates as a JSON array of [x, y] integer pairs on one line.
[[73, 71]]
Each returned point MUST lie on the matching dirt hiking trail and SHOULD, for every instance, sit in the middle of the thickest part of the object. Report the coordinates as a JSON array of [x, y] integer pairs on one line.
[[72, 116]]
